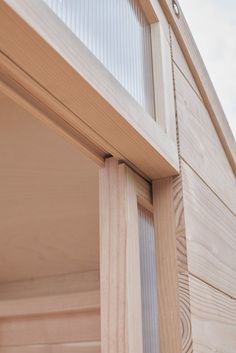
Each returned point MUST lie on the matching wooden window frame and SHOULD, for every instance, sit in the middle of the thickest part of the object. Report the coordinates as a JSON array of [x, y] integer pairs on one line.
[[50, 68], [162, 68], [121, 190]]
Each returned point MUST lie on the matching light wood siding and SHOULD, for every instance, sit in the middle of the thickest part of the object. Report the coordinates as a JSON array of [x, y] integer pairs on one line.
[[205, 209]]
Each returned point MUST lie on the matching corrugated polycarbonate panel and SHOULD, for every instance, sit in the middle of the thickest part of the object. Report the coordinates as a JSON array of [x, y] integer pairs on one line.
[[118, 34], [148, 281]]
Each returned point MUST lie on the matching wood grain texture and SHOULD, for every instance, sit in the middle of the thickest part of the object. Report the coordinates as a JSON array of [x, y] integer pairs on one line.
[[67, 303], [56, 328], [178, 203], [182, 261], [49, 198], [200, 146], [112, 260], [121, 317], [52, 285], [85, 87], [85, 347], [185, 312], [202, 79], [213, 317], [168, 291], [210, 234]]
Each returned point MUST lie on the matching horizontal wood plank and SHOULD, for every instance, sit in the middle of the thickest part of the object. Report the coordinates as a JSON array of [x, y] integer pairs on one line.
[[76, 302], [56, 328], [50, 286], [213, 317], [85, 347], [210, 234], [200, 146]]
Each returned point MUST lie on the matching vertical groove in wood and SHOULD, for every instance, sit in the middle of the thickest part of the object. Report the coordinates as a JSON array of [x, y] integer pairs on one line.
[[148, 281], [168, 290]]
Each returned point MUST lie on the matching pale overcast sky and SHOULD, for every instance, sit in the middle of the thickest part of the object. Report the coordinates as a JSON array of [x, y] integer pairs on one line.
[[213, 25]]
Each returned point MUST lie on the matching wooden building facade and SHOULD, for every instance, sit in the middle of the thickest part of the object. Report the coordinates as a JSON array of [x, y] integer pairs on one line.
[[118, 189]]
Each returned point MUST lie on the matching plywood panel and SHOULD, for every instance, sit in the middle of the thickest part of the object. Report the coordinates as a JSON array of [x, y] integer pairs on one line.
[[213, 317], [210, 233], [200, 146]]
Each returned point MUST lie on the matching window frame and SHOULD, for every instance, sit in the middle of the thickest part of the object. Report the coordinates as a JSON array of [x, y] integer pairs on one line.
[[55, 70], [121, 191]]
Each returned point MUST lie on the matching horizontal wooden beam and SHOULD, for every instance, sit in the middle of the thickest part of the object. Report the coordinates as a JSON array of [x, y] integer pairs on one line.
[[202, 79]]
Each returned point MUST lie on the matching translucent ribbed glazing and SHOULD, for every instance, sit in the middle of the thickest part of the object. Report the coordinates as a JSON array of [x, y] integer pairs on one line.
[[118, 34], [148, 281]]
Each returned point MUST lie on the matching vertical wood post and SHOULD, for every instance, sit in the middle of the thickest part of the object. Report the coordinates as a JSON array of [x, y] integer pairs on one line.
[[121, 316]]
